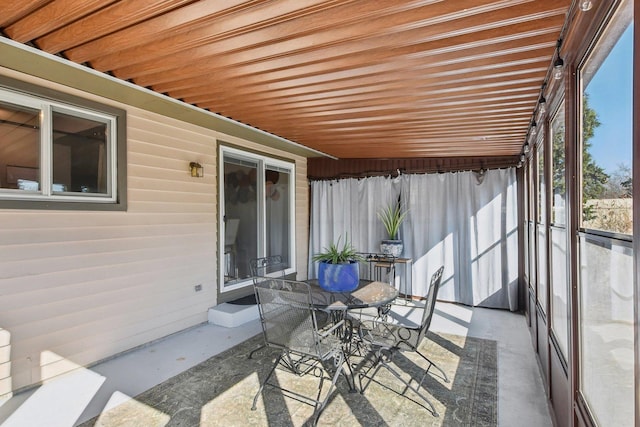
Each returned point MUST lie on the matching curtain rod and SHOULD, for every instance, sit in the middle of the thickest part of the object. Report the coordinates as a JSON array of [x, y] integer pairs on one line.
[[402, 171]]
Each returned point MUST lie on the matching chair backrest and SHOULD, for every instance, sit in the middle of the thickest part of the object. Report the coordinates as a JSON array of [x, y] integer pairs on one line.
[[430, 304], [261, 267], [287, 315]]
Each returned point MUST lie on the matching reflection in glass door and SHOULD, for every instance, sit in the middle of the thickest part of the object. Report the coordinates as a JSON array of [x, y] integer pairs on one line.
[[277, 212], [240, 216]]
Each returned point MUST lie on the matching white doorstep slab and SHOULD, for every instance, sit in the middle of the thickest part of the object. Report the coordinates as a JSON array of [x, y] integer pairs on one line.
[[232, 315]]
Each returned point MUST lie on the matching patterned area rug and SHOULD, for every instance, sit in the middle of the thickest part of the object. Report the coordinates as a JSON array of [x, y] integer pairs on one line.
[[219, 392]]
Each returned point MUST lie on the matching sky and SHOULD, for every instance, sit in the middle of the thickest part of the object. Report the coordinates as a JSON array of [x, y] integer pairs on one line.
[[610, 95]]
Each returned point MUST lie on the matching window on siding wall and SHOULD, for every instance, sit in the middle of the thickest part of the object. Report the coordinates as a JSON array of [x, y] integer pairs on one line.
[[257, 202], [59, 154]]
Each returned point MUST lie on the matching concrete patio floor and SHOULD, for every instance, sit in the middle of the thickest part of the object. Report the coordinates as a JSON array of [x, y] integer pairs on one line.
[[521, 398]]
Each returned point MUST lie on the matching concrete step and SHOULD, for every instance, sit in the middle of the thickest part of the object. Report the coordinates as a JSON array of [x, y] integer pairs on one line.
[[232, 315]]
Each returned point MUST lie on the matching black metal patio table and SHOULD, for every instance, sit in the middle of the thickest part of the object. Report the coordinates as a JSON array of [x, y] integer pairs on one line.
[[336, 304], [367, 294]]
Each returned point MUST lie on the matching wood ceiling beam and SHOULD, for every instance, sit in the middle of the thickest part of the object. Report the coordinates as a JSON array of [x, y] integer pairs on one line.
[[408, 90], [356, 79], [11, 11], [425, 125], [198, 23], [394, 78], [194, 86], [344, 62], [52, 17], [405, 119], [107, 20], [257, 26], [438, 71], [385, 150], [502, 67], [424, 104], [374, 49], [392, 29]]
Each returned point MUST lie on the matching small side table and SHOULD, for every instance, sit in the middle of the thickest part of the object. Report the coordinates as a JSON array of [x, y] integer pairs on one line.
[[385, 269]]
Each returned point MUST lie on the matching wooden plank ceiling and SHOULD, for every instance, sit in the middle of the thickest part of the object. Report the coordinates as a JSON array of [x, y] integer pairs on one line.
[[351, 78]]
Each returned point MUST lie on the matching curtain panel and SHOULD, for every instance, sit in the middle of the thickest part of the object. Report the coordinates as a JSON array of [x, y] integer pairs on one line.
[[466, 221]]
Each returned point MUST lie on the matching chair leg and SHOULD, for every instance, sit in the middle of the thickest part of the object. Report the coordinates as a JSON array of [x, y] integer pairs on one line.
[[349, 377], [376, 367], [254, 350], [273, 368], [338, 362], [444, 375], [395, 373], [294, 368]]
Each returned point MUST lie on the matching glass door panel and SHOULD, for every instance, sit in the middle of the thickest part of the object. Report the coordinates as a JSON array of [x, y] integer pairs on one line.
[[541, 246], [606, 330], [258, 218], [559, 294], [558, 235], [277, 212], [606, 280], [240, 218]]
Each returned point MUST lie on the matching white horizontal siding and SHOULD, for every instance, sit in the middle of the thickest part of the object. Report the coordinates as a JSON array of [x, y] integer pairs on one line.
[[77, 287], [80, 286], [5, 364], [302, 219]]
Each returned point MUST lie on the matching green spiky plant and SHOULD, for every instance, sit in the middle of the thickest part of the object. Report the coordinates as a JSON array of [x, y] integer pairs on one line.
[[335, 254], [392, 217]]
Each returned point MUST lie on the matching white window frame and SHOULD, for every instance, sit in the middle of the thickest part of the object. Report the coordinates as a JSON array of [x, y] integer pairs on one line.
[[263, 161], [47, 108]]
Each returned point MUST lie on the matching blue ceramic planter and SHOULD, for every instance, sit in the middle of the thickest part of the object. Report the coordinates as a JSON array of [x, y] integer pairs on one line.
[[338, 277]]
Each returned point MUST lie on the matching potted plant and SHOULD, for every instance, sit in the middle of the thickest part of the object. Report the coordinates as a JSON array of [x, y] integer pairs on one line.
[[392, 217], [338, 269]]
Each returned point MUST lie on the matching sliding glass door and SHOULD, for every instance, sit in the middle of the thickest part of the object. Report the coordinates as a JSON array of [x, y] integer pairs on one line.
[[256, 210]]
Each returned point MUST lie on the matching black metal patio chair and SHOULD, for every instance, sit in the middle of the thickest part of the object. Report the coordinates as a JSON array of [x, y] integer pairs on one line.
[[260, 268], [385, 339], [289, 324]]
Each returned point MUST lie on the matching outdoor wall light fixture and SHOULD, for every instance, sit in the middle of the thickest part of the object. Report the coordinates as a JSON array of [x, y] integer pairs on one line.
[[558, 67], [542, 105], [586, 5], [197, 171]]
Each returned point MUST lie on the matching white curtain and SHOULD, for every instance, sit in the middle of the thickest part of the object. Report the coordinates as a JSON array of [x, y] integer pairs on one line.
[[346, 209], [465, 221]]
